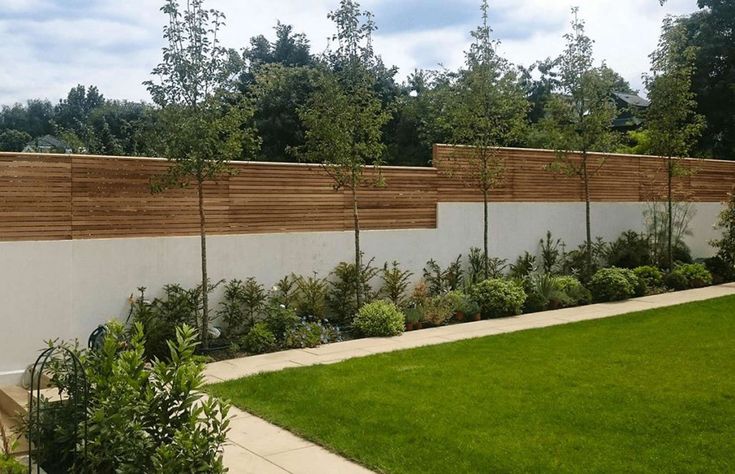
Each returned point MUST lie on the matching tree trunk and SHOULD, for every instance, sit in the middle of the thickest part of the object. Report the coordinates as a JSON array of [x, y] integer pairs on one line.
[[486, 256], [358, 254], [205, 283], [670, 230], [588, 223]]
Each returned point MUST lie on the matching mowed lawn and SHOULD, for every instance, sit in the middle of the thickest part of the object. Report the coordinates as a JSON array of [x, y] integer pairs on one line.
[[649, 391]]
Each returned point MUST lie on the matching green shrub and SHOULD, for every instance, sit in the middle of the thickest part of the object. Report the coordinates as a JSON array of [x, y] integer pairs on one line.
[[342, 294], [575, 293], [379, 319], [676, 281], [395, 283], [695, 275], [310, 334], [613, 284], [8, 463], [440, 280], [651, 277], [259, 339], [631, 250], [142, 417], [310, 300], [437, 310], [721, 270], [280, 319], [498, 298]]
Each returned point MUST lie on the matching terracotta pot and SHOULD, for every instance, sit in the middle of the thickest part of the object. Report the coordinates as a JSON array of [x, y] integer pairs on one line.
[[419, 325], [409, 326], [477, 317], [459, 316]]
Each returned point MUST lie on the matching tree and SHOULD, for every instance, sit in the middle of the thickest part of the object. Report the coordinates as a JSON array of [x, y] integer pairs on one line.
[[13, 140], [672, 123], [580, 115], [344, 118], [486, 110], [200, 129]]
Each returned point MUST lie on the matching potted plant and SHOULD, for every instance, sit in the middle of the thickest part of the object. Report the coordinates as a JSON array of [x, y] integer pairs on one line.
[[454, 300], [470, 309], [413, 319]]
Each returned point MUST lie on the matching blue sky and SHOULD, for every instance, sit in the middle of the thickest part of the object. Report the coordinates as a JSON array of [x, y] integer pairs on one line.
[[48, 46]]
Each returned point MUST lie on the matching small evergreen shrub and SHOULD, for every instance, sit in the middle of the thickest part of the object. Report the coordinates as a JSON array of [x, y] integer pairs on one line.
[[498, 298], [575, 293], [280, 319], [310, 334], [613, 284], [379, 319], [695, 275], [437, 310], [722, 272], [259, 339], [676, 281], [651, 277]]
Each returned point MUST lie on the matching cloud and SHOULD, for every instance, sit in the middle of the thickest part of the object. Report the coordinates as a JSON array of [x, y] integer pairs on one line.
[[48, 46]]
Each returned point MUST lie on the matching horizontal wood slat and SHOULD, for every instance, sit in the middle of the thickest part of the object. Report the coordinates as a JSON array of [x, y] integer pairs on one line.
[[61, 197]]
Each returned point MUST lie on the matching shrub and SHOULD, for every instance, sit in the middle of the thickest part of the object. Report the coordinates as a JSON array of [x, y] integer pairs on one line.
[[613, 284], [498, 298], [722, 272], [259, 340], [651, 277], [631, 250], [342, 296], [310, 299], [280, 319], [310, 334], [439, 280], [726, 244], [551, 252], [469, 307], [379, 319], [395, 283], [8, 463], [524, 266], [141, 417], [437, 310], [693, 275], [542, 293], [575, 293]]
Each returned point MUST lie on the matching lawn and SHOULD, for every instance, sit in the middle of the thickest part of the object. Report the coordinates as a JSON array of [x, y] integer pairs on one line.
[[649, 391]]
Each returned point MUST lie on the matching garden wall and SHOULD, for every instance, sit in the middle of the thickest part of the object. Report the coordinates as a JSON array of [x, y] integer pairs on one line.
[[79, 234]]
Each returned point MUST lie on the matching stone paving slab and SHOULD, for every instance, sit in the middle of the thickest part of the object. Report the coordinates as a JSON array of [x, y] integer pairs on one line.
[[256, 446]]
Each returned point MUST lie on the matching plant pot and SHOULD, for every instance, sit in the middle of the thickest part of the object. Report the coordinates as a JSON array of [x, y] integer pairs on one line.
[[459, 316], [477, 317], [409, 326], [418, 325]]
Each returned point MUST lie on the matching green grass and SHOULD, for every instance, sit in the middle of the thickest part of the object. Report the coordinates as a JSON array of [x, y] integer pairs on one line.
[[649, 391]]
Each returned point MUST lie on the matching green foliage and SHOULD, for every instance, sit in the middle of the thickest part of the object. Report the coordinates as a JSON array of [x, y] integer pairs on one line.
[[544, 292], [142, 417], [345, 282], [498, 298], [721, 270], [651, 277], [578, 264], [695, 275], [631, 250], [469, 307], [574, 292], [280, 319], [310, 334], [242, 305], [441, 280], [478, 264], [8, 463], [524, 266], [551, 254], [676, 281], [13, 140], [310, 299], [613, 284], [656, 219], [259, 340], [379, 319], [395, 284], [284, 293], [726, 244]]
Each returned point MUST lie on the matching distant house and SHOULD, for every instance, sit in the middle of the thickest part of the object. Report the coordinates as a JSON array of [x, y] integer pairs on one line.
[[47, 144], [630, 107]]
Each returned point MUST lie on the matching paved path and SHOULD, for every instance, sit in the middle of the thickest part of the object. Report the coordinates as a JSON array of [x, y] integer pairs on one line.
[[257, 446]]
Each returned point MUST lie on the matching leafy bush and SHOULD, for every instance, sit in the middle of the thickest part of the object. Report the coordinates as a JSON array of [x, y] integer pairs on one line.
[[259, 340], [722, 272], [440, 281], [726, 244], [613, 284], [551, 253], [142, 417], [8, 463], [574, 292], [543, 292], [379, 319], [693, 275], [395, 284], [310, 334], [651, 277], [469, 307], [476, 267], [437, 310], [342, 296], [498, 298], [631, 250], [310, 300], [280, 319], [524, 266], [574, 263]]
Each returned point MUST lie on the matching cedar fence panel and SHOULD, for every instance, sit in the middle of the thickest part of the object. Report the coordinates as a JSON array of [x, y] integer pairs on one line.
[[61, 197]]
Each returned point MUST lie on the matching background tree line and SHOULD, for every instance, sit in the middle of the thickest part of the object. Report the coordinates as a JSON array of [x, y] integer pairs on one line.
[[278, 76]]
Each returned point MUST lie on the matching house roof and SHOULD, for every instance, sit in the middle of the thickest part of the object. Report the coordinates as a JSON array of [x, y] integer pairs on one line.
[[632, 99], [48, 141]]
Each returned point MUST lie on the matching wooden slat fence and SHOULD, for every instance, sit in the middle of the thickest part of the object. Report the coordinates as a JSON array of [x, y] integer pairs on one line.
[[62, 197]]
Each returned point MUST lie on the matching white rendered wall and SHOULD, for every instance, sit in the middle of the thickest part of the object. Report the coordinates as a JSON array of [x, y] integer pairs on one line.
[[64, 289]]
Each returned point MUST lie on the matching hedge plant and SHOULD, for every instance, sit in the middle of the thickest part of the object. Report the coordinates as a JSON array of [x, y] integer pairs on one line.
[[613, 284], [651, 277], [379, 319], [693, 275], [499, 298]]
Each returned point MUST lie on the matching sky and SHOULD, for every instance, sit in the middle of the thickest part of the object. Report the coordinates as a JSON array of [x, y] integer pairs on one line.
[[49, 46]]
